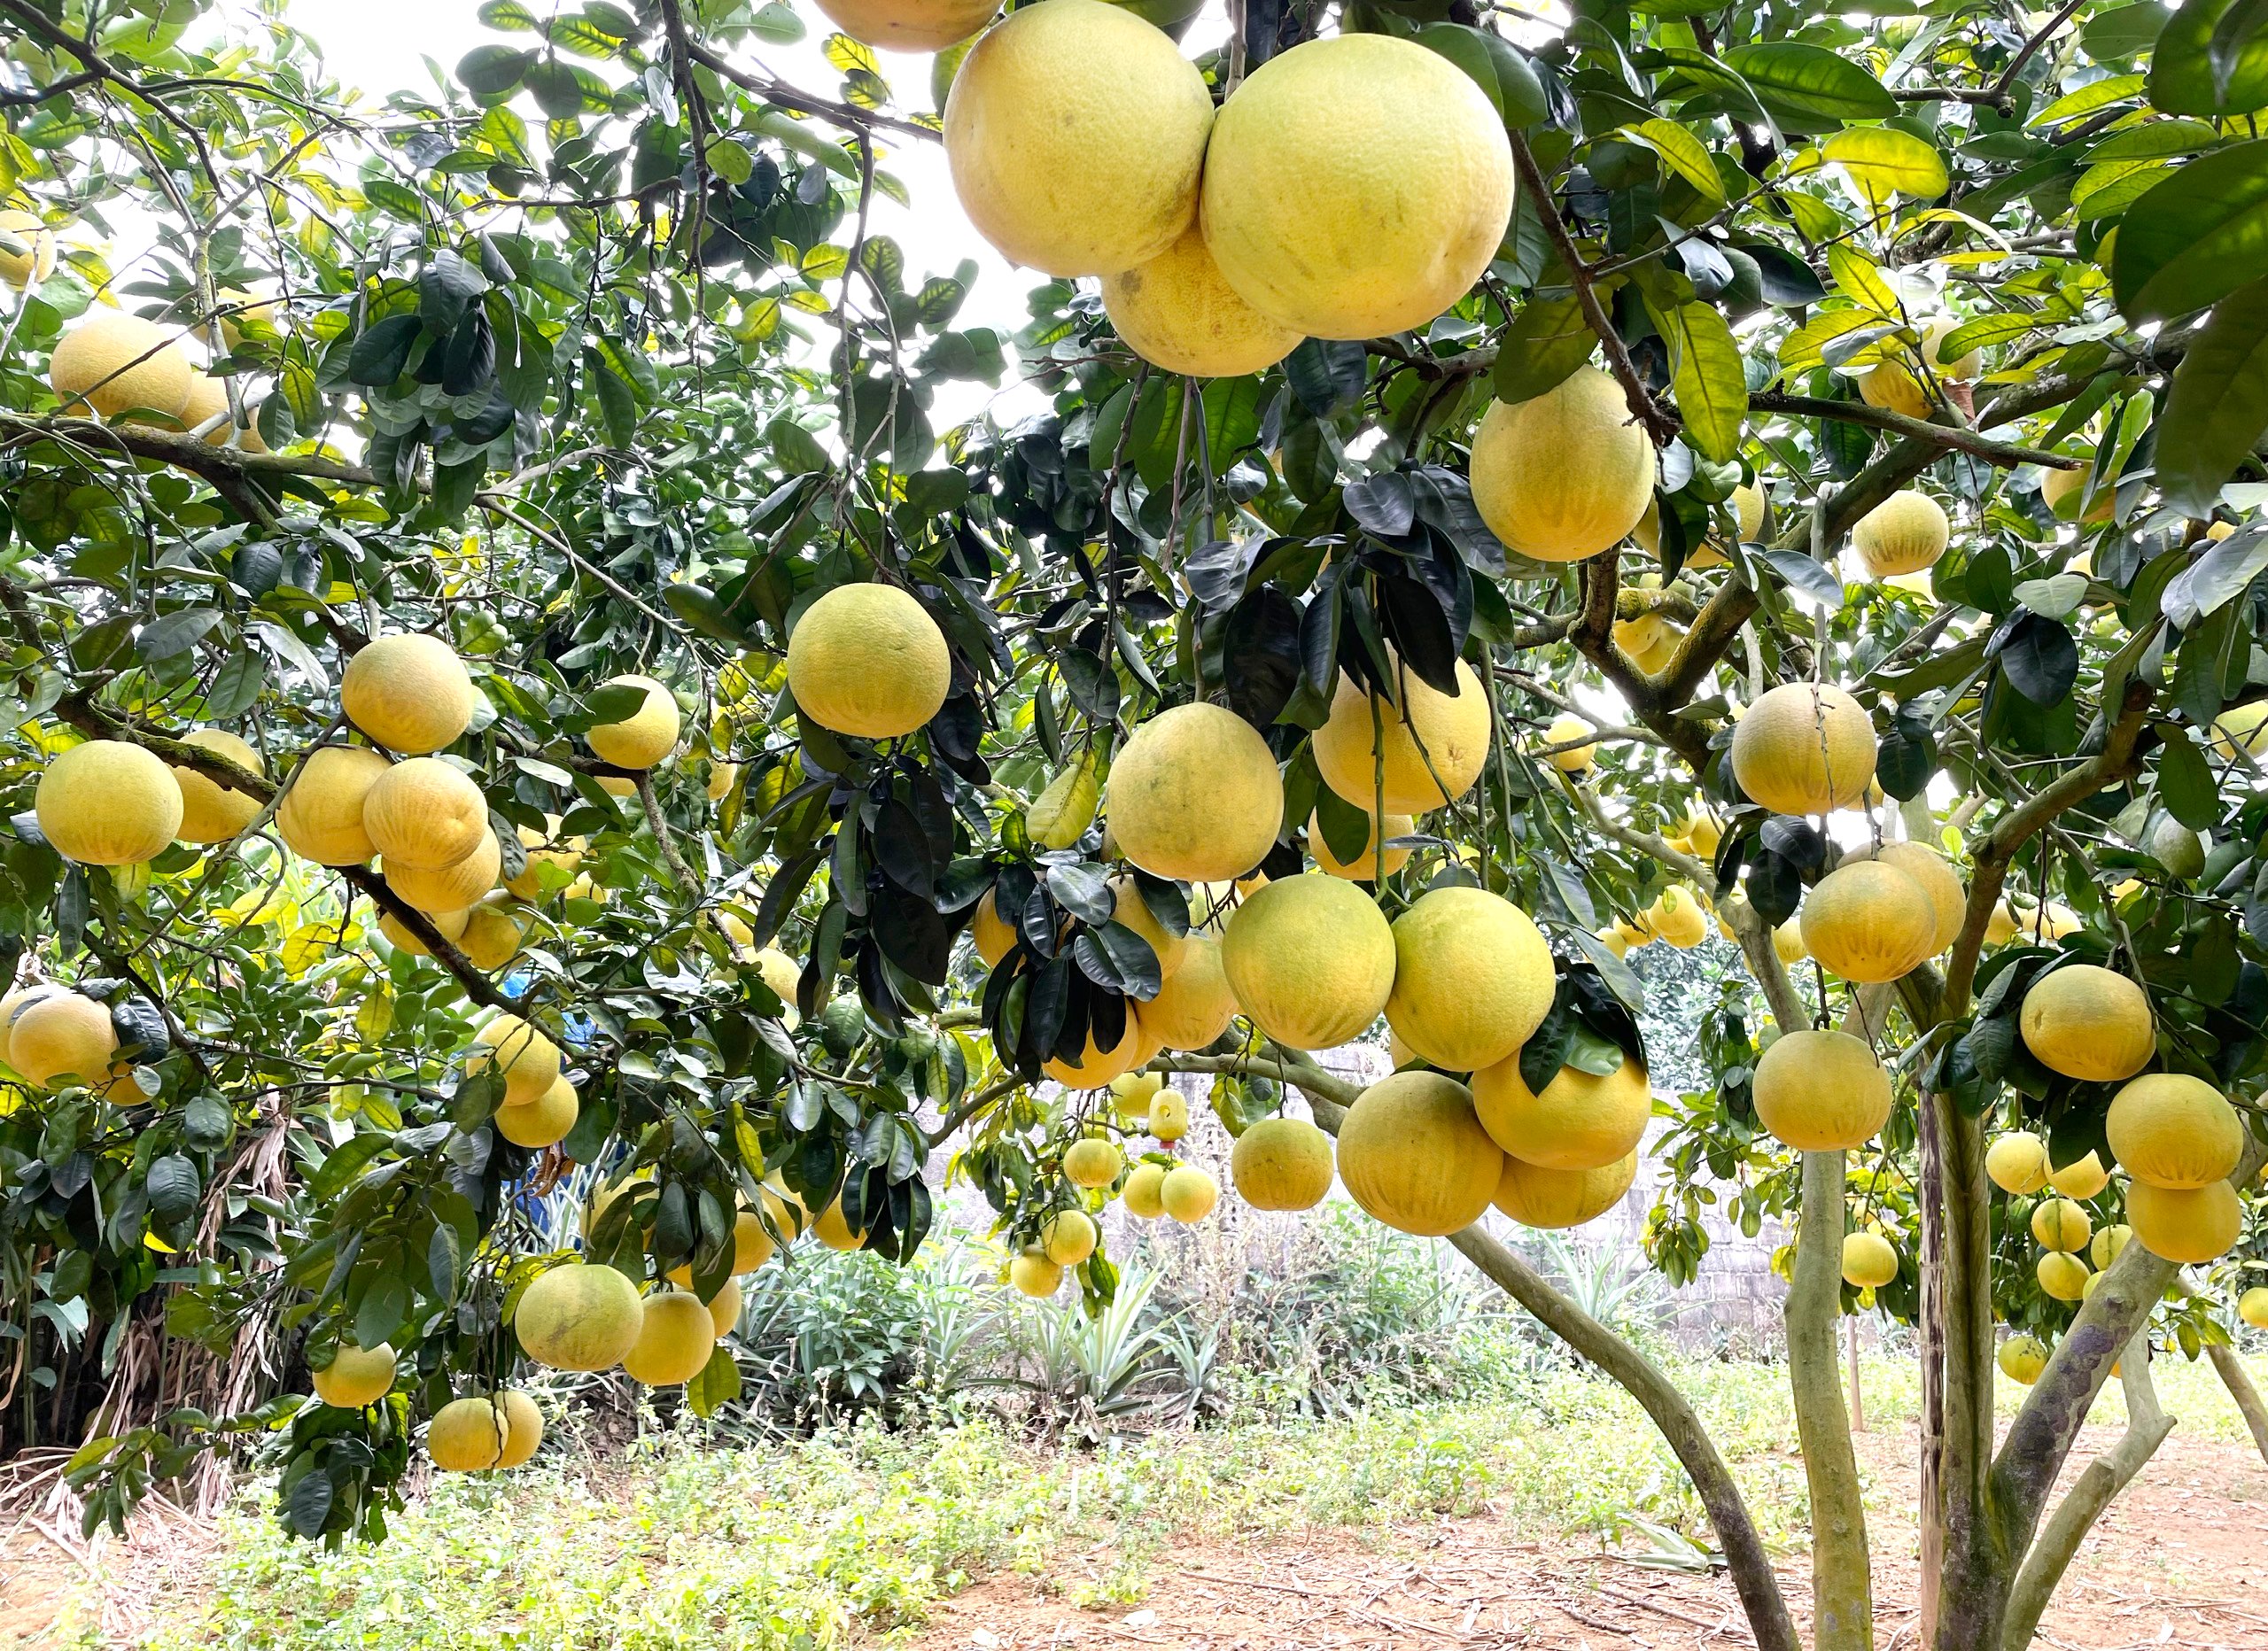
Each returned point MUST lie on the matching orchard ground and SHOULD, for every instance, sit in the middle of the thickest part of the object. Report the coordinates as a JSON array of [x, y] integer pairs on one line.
[[1549, 1514]]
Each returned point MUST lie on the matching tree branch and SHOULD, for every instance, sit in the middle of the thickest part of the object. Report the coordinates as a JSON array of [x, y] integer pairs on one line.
[[1841, 1568], [1659, 424], [788, 97], [2006, 454]]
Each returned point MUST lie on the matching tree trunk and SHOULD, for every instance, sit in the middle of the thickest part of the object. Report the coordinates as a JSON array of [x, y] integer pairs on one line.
[[1931, 1336], [1841, 1584], [2238, 1380], [1973, 1567], [1851, 1358]]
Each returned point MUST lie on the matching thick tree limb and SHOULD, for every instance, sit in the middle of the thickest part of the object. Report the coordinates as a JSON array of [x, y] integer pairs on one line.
[[2058, 1543], [2238, 1380], [1841, 1567], [1743, 1546]]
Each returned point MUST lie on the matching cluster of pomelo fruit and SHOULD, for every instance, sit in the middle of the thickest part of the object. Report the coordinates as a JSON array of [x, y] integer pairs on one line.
[[52, 1038], [424, 817], [112, 364]]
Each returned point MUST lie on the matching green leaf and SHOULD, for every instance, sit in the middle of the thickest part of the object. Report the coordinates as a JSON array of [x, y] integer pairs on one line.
[[176, 632], [491, 71], [1683, 154], [174, 1186], [1495, 65], [1984, 332], [1708, 379], [2195, 238], [718, 1384], [2185, 80], [1547, 340], [2218, 405], [2185, 780], [1883, 161], [381, 354], [1806, 83]]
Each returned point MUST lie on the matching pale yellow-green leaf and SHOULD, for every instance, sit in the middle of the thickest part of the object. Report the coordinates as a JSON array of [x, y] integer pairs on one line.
[[1881, 161], [1683, 154], [1863, 282], [2090, 97], [1802, 348]]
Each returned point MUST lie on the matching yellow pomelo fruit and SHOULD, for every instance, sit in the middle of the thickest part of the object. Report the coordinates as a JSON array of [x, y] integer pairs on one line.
[[36, 262], [1749, 506], [2081, 1180], [675, 1337], [1068, 1238], [2186, 1225], [644, 737], [722, 779], [1867, 921], [2017, 1162], [1576, 759], [356, 1375], [1282, 1164], [2089, 1022], [1356, 185], [208, 399], [909, 25], [1537, 1197], [1948, 898], [1615, 941], [1142, 1193], [409, 693], [247, 313], [832, 1228], [528, 1058], [2104, 1247], [1804, 748], [1310, 959], [1075, 132], [210, 812], [782, 973], [1472, 977], [993, 935], [1091, 1163], [522, 1428], [425, 815], [1096, 1066], [1167, 1116], [1905, 533], [1195, 795], [62, 1036], [1935, 331], [494, 931], [1412, 1153], [1565, 475], [752, 1246], [563, 860], [2171, 1131], [2092, 1283], [1196, 1006], [13, 1005], [450, 926], [1787, 942], [320, 815], [454, 887], [725, 1308], [1364, 866], [1869, 1260], [2060, 1224], [1432, 754], [107, 802], [543, 1121], [1131, 1093], [1034, 1276], [1179, 313], [1581, 1121], [1820, 1091], [2021, 1358], [580, 1317], [1890, 385], [469, 1435], [115, 363], [1188, 1194], [2062, 490], [2252, 1307], [1650, 641], [868, 660], [2062, 1277], [1676, 917], [1128, 910], [2242, 728]]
